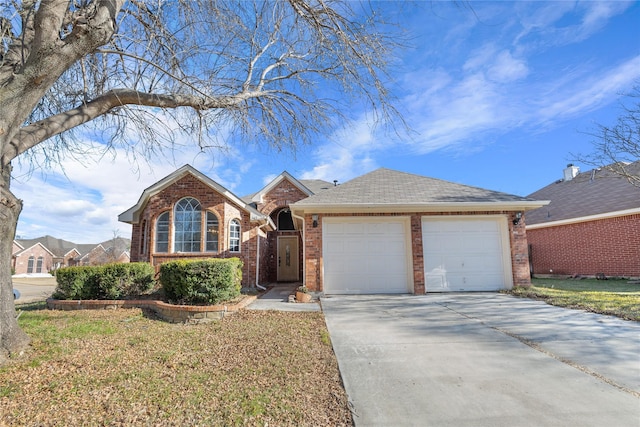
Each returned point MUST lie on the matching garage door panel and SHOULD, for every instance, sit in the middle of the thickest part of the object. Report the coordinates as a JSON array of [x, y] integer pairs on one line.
[[371, 255], [464, 254]]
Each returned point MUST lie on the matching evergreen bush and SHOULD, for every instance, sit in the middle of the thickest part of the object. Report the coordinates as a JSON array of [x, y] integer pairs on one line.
[[209, 281]]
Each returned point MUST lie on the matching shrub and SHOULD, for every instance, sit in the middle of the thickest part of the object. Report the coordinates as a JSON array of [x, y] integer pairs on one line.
[[209, 281], [111, 281]]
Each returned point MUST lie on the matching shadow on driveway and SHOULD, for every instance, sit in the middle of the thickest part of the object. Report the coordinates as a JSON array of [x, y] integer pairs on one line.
[[483, 360]]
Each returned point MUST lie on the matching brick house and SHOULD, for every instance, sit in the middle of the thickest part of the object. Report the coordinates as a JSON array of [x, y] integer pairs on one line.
[[34, 259], [591, 225], [384, 232], [50, 253]]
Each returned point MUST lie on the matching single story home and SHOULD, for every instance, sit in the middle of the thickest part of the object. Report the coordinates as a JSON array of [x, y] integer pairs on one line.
[[590, 227], [383, 232], [45, 254]]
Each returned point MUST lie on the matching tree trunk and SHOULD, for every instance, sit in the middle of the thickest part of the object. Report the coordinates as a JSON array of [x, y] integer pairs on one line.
[[12, 339]]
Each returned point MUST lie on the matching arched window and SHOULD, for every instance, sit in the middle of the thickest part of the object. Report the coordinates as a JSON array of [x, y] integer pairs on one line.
[[212, 233], [285, 220], [234, 236], [162, 233], [39, 265], [30, 264], [187, 225]]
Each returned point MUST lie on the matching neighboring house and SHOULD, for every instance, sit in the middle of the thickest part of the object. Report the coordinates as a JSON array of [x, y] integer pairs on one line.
[[384, 232], [34, 259], [57, 253], [590, 227]]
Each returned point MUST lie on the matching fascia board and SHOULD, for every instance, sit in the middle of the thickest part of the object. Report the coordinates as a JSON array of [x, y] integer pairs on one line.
[[426, 207], [131, 216], [588, 218]]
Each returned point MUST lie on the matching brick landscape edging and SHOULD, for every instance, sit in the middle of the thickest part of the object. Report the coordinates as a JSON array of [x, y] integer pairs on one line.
[[169, 312]]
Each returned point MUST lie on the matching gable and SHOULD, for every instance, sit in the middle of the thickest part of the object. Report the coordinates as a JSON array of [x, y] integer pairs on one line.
[[180, 181]]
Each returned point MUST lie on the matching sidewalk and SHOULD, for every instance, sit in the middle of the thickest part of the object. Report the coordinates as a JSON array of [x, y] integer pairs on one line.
[[277, 298]]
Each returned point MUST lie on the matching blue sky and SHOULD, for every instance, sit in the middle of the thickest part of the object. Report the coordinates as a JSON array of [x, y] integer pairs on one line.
[[499, 97]]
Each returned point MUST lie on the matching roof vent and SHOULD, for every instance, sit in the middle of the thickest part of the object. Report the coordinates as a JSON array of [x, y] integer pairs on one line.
[[571, 172]]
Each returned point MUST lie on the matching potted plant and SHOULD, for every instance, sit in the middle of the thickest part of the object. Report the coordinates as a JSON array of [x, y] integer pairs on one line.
[[302, 294]]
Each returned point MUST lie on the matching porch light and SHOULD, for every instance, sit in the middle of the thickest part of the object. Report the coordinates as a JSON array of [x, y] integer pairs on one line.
[[517, 219], [314, 217]]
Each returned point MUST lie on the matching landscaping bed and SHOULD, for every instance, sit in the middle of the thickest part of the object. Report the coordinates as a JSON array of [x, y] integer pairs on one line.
[[118, 367]]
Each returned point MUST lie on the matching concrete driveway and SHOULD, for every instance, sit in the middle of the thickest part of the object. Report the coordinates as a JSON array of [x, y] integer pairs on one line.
[[483, 360]]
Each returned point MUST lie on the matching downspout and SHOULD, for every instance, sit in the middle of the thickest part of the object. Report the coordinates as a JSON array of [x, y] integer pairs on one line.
[[262, 288], [304, 249]]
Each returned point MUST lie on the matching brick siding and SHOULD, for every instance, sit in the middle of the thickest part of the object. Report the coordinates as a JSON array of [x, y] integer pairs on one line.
[[21, 260], [610, 246], [517, 240], [210, 200]]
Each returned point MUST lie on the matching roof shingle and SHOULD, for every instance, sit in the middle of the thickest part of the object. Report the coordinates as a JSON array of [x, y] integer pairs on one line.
[[593, 192]]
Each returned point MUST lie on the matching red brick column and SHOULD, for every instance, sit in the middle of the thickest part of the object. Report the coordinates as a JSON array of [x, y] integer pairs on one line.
[[519, 252]]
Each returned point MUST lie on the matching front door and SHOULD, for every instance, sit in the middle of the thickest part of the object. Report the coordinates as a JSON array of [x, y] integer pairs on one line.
[[288, 259]]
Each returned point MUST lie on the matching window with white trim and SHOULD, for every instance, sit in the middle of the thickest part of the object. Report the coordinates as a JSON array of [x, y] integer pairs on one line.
[[39, 264], [187, 225], [234, 236], [30, 264], [211, 244], [162, 233]]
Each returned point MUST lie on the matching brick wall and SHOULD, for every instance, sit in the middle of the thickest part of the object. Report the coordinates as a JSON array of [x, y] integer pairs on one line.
[[517, 241], [210, 200], [21, 261], [279, 197], [610, 246]]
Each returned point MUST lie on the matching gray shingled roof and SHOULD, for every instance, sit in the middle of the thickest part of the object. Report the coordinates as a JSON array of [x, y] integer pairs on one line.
[[593, 192], [60, 247], [389, 187]]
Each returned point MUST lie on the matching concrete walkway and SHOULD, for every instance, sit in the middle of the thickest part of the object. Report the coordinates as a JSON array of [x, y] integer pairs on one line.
[[483, 360], [277, 298]]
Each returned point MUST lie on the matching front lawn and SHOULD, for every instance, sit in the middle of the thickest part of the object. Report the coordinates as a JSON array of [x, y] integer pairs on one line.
[[119, 367], [614, 297]]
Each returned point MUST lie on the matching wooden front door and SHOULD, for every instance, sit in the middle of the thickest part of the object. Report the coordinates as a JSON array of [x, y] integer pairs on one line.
[[288, 270]]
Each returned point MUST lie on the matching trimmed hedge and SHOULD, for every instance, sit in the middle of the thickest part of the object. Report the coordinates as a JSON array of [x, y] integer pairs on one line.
[[209, 281], [109, 281]]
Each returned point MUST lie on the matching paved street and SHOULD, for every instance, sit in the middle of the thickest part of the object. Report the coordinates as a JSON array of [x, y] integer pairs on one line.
[[34, 289]]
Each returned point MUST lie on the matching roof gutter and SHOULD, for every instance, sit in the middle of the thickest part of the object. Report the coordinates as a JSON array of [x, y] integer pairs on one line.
[[606, 215], [424, 207]]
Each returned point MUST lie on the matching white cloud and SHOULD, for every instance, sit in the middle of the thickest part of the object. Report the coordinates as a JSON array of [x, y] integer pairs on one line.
[[347, 154]]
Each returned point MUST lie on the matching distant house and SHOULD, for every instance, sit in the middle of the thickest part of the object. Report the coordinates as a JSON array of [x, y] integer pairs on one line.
[[383, 232], [31, 259], [47, 253], [591, 225]]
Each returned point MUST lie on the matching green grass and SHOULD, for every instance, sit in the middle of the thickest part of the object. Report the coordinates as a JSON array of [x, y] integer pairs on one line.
[[613, 297], [119, 367]]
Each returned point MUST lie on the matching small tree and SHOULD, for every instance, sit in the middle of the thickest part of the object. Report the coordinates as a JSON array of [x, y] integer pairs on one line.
[[264, 69], [618, 145]]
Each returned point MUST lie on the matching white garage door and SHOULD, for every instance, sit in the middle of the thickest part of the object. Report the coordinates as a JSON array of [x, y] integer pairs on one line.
[[368, 256], [466, 254]]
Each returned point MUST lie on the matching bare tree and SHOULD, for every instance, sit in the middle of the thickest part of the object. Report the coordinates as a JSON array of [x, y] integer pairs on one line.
[[265, 69], [618, 146]]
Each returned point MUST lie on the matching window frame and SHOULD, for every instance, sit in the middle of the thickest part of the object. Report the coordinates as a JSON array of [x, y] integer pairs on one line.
[[184, 237], [168, 233], [235, 235], [207, 215]]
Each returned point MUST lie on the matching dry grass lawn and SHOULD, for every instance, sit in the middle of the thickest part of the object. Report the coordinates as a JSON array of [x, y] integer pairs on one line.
[[122, 368]]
